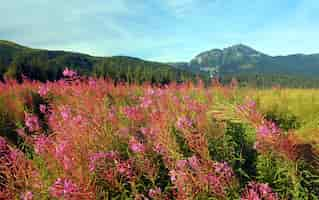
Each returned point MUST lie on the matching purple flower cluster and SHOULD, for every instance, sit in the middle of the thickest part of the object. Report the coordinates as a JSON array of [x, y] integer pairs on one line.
[[258, 191], [32, 122], [69, 73]]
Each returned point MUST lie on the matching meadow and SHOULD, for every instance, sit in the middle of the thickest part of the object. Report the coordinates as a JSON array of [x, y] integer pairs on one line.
[[91, 138]]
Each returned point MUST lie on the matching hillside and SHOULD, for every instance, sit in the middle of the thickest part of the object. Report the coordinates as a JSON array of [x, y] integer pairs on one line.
[[255, 68], [242, 58], [43, 65]]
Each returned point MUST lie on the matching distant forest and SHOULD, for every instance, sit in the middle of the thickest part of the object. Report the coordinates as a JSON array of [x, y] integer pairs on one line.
[[17, 61]]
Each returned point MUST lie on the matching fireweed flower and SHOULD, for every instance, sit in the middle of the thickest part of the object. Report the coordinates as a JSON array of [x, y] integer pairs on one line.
[[158, 148], [14, 155], [4, 148], [124, 168], [136, 146], [173, 175], [223, 170], [184, 123], [258, 191], [62, 154], [27, 196], [193, 162], [154, 192], [31, 121], [146, 102], [181, 164], [69, 73], [41, 143], [64, 188], [43, 108], [149, 132], [65, 112], [267, 129], [133, 113], [43, 90]]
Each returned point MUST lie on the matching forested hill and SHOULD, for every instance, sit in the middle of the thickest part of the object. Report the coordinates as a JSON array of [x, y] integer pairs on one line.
[[252, 67], [241, 58], [17, 60]]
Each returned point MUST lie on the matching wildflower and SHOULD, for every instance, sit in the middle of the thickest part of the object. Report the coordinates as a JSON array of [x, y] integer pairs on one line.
[[31, 121], [158, 148], [181, 164], [136, 146], [259, 191], [4, 148], [173, 175], [27, 196], [92, 82], [124, 168], [41, 143], [69, 73], [146, 102], [133, 113], [43, 90], [149, 132], [65, 112], [14, 155], [43, 108], [184, 123], [62, 154], [154, 192], [223, 170], [64, 188], [267, 129], [193, 162]]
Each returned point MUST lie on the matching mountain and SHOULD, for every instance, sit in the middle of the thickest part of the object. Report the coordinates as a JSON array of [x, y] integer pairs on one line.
[[244, 59], [17, 60]]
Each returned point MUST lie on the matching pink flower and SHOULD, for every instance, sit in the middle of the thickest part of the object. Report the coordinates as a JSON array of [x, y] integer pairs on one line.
[[154, 192], [158, 148], [124, 168], [223, 170], [62, 154], [173, 174], [133, 113], [65, 112], [43, 108], [4, 148], [92, 82], [255, 191], [181, 164], [146, 102], [136, 146], [267, 129], [14, 155], [69, 73], [64, 188], [41, 144], [27, 196], [43, 90], [193, 162], [263, 130], [31, 121], [184, 123]]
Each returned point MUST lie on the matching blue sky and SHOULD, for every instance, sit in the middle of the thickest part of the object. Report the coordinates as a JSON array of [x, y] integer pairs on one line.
[[162, 30]]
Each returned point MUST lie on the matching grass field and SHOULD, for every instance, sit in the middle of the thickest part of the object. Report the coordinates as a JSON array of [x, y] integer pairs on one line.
[[81, 138]]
